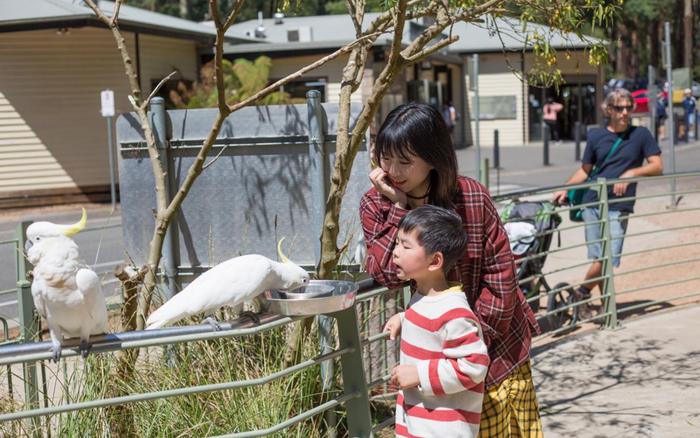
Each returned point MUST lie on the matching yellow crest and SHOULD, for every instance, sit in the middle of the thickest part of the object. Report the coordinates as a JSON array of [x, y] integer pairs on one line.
[[71, 230], [282, 257]]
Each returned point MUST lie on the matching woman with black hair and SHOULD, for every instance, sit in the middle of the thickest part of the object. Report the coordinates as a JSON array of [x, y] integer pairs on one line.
[[417, 165]]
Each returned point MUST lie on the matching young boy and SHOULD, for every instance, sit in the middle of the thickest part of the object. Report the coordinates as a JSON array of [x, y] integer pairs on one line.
[[443, 357]]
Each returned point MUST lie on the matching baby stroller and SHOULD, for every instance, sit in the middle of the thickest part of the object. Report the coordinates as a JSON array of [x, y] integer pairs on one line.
[[531, 227]]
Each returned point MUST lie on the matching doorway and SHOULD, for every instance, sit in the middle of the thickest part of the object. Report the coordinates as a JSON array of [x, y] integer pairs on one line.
[[579, 100]]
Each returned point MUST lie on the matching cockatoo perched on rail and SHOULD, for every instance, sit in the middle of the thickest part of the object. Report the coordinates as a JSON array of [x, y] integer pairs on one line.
[[229, 283], [66, 292]]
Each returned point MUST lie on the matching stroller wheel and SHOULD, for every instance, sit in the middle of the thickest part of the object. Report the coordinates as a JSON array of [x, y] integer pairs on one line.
[[557, 319]]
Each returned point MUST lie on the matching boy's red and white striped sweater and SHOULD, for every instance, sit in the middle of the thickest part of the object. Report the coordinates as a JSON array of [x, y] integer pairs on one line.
[[441, 336]]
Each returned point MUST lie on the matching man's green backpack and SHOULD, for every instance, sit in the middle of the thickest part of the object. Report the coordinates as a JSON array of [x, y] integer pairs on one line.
[[575, 196]]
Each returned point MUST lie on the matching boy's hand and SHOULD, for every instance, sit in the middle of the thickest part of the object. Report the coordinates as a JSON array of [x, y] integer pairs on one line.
[[393, 326], [405, 376]]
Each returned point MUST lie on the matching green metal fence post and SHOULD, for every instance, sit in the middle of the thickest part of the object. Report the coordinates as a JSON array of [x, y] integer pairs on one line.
[[28, 321], [608, 271], [484, 173], [354, 380]]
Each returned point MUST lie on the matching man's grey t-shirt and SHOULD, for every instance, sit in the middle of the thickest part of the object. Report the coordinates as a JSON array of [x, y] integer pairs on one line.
[[637, 144]]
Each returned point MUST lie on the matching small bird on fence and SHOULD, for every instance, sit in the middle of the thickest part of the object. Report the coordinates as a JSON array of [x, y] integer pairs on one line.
[[65, 291], [229, 283]]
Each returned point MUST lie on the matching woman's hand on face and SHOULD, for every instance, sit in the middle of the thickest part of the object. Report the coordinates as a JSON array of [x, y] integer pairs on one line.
[[379, 180]]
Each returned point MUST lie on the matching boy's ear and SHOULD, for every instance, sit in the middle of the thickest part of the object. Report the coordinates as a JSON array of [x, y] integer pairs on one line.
[[436, 262]]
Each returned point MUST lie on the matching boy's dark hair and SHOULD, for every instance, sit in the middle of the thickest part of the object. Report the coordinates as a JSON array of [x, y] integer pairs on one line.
[[439, 230]]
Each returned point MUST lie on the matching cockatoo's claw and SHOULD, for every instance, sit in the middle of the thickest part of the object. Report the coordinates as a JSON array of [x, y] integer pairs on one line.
[[252, 315], [212, 322], [56, 352], [85, 348]]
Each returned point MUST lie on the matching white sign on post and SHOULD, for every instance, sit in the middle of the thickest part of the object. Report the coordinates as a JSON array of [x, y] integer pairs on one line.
[[107, 97]]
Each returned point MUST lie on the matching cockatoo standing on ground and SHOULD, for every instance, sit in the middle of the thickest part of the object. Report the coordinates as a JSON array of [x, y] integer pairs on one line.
[[229, 283], [66, 292]]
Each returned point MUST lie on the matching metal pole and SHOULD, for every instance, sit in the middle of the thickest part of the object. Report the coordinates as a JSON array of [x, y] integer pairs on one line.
[[317, 157], [110, 147], [545, 145], [577, 139], [159, 124], [608, 291], [477, 115], [651, 93], [354, 380], [319, 193], [28, 323], [671, 130], [496, 150], [485, 172]]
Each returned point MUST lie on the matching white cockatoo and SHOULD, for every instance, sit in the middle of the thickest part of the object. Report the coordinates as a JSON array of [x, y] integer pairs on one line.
[[229, 283], [65, 291]]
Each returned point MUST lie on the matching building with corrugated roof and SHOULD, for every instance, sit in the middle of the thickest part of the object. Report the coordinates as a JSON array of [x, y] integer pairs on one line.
[[505, 51], [56, 57]]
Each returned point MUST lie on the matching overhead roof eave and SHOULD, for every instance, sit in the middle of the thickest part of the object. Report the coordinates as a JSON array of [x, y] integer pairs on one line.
[[91, 20]]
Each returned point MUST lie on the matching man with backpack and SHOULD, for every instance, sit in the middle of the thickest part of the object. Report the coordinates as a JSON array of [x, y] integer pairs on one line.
[[617, 151]]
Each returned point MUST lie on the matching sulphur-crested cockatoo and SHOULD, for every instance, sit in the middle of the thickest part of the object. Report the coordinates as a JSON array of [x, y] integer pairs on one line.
[[229, 283], [66, 292]]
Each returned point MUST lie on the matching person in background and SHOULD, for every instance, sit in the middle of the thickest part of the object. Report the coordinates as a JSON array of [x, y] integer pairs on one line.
[[635, 144], [550, 113], [661, 116], [449, 114], [689, 104]]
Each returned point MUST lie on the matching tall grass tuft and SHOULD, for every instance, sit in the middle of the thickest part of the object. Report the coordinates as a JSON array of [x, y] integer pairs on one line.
[[199, 363]]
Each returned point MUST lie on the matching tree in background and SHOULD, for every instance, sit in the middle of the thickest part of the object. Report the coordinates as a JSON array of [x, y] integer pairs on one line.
[[242, 79], [198, 10]]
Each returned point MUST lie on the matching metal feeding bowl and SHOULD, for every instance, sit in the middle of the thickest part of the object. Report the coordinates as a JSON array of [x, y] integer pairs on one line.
[[318, 297]]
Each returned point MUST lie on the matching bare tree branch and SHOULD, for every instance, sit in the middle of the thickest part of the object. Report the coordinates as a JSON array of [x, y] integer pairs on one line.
[[162, 82], [233, 15], [214, 10], [302, 71], [115, 11], [432, 49], [399, 22]]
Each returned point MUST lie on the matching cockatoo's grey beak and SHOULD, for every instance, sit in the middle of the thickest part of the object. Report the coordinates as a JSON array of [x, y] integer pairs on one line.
[[28, 244]]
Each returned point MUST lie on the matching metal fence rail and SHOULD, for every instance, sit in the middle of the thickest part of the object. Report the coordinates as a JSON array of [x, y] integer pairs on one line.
[[362, 350]]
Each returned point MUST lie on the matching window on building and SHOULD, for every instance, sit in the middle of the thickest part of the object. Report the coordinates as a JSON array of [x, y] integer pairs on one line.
[[497, 107]]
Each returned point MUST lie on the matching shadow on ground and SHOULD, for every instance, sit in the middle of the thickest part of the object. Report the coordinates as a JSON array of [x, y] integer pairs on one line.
[[638, 381]]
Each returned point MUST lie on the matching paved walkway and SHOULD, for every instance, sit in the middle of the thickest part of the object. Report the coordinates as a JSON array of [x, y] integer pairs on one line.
[[642, 380]]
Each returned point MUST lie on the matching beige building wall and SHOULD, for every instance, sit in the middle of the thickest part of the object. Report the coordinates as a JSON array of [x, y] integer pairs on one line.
[[332, 72], [497, 78], [52, 135]]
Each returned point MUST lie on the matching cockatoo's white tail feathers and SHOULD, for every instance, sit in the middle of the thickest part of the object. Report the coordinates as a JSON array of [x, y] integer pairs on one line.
[[169, 313], [360, 252], [87, 279], [88, 283]]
